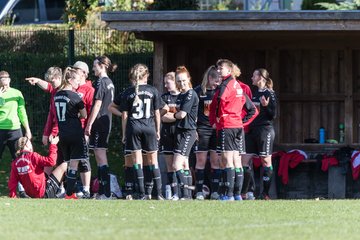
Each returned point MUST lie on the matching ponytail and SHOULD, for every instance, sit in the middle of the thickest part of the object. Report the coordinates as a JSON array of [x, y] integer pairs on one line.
[[137, 73], [268, 81]]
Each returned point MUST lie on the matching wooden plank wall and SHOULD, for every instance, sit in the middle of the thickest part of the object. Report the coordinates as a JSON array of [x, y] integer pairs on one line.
[[310, 83], [319, 76]]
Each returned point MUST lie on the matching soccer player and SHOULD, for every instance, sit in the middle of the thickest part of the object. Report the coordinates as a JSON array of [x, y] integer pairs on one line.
[[140, 106], [86, 92], [225, 114], [260, 138], [168, 127], [13, 115], [99, 121], [186, 113], [28, 169], [206, 135], [69, 106]]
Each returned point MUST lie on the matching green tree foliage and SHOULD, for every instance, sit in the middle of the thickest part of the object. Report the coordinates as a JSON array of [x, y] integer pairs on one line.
[[346, 5], [175, 5], [314, 4]]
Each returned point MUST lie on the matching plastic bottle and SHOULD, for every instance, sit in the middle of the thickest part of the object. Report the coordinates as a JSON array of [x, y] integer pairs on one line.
[[168, 192], [341, 133], [322, 135]]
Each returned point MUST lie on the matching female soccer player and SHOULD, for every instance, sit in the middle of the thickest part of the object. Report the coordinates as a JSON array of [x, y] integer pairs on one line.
[[140, 107], [28, 169], [226, 116], [68, 105], [99, 122], [168, 128], [187, 109], [260, 138], [206, 135]]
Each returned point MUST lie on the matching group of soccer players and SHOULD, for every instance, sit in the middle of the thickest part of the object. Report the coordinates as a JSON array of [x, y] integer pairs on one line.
[[220, 120], [208, 120]]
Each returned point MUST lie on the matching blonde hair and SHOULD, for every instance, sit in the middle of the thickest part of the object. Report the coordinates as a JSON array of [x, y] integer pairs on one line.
[[210, 72], [53, 72], [170, 76], [182, 69], [4, 74], [138, 72], [20, 145], [265, 74], [69, 73]]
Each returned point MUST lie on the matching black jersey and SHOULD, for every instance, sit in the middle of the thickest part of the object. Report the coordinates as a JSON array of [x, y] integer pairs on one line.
[[204, 105], [104, 91], [266, 114], [170, 100], [189, 103], [67, 105], [143, 111]]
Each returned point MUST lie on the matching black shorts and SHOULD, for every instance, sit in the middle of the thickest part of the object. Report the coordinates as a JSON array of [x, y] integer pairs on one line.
[[185, 139], [260, 140], [9, 138], [141, 138], [74, 148], [207, 139], [52, 187], [167, 140], [231, 139], [99, 140]]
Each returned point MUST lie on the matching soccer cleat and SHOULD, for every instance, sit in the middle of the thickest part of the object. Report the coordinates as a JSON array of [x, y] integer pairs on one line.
[[145, 197], [226, 198], [238, 198], [250, 196], [175, 197], [160, 197], [85, 195], [200, 196], [129, 197], [22, 194], [214, 196], [103, 197], [264, 196], [72, 196]]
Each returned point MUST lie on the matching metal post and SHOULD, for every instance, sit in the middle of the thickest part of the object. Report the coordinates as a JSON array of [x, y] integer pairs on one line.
[[71, 52]]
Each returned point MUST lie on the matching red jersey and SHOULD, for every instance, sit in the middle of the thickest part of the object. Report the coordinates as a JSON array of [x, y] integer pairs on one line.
[[51, 126], [28, 169], [227, 112], [86, 92], [248, 92]]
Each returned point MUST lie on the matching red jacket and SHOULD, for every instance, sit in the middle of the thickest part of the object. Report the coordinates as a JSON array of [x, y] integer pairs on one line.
[[86, 92], [28, 169], [289, 160], [248, 92], [51, 125], [228, 113]]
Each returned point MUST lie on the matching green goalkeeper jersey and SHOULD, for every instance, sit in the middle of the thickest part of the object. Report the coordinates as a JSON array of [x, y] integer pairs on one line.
[[12, 110]]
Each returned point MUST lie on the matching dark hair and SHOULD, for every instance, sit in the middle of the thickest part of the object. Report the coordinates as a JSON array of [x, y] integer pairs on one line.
[[265, 74], [104, 60]]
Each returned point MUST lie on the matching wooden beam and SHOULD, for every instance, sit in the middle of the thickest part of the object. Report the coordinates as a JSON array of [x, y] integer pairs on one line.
[[349, 104], [173, 21], [159, 65]]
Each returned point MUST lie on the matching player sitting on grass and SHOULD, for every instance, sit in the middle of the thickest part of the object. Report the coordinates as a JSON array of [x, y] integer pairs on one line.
[[28, 169]]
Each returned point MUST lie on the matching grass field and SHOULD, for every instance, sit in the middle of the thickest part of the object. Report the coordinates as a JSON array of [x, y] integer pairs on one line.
[[120, 219]]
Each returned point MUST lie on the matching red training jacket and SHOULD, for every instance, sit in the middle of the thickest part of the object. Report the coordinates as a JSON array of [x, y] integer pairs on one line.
[[28, 169]]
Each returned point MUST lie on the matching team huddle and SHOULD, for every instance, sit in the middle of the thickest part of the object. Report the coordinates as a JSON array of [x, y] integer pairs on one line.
[[221, 121]]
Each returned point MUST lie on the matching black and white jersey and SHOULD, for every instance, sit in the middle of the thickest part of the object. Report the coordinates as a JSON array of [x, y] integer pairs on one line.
[[204, 105], [267, 113], [144, 109], [104, 91], [189, 103], [67, 105], [170, 100]]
